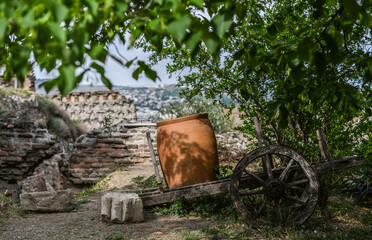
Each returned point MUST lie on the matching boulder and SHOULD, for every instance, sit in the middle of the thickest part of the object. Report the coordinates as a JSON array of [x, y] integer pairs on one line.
[[48, 201], [121, 207], [48, 176]]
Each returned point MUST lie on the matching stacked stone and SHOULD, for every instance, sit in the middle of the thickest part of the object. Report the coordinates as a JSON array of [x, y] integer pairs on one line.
[[23, 146], [99, 152], [91, 108], [232, 146]]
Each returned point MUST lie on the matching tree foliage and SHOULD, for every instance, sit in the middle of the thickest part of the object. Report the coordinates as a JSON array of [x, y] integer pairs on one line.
[[65, 34], [298, 65]]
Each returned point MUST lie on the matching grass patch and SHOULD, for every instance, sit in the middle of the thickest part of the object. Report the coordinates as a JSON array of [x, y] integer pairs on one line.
[[116, 237], [81, 197], [6, 92], [218, 207], [142, 183], [187, 235], [7, 209], [78, 202]]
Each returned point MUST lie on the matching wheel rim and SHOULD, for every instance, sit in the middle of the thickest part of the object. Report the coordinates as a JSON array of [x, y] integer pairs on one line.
[[287, 196]]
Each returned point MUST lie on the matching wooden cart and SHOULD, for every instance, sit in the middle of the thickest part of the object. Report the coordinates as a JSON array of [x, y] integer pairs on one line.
[[271, 185]]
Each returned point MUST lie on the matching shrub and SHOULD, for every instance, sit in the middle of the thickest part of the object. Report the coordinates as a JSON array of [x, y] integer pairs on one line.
[[220, 121], [59, 123]]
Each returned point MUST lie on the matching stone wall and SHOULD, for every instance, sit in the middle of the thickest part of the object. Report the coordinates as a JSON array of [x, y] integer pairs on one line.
[[18, 105], [91, 108], [99, 152], [23, 146]]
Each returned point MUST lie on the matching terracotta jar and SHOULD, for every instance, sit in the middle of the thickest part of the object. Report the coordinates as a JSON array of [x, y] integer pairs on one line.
[[187, 150]]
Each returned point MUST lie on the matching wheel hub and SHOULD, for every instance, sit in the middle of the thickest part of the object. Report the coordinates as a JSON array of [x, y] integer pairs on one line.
[[274, 189]]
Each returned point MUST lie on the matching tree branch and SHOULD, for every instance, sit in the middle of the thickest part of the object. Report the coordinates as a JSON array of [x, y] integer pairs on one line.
[[337, 13]]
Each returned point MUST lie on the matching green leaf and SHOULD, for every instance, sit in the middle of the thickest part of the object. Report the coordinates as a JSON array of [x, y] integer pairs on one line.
[[370, 66], [178, 28], [337, 36], [98, 67], [197, 3], [121, 7], [222, 23], [211, 42], [194, 40], [129, 63], [67, 77], [106, 82], [271, 29], [29, 18], [49, 85], [283, 116], [368, 111], [280, 27], [96, 51], [148, 71], [57, 32], [237, 55], [320, 63], [92, 6], [245, 94], [306, 49], [59, 11], [3, 26], [137, 72], [157, 25], [367, 20]]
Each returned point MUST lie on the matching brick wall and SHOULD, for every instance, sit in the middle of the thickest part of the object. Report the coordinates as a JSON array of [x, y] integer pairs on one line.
[[99, 152], [91, 108], [23, 146]]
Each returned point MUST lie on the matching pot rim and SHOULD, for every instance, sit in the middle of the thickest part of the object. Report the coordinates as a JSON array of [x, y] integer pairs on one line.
[[182, 119]]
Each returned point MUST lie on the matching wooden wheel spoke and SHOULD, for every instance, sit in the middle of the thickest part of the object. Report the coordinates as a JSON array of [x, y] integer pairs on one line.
[[254, 176], [297, 188], [283, 161], [266, 162], [281, 177], [298, 182], [278, 212], [258, 213], [252, 192], [296, 200]]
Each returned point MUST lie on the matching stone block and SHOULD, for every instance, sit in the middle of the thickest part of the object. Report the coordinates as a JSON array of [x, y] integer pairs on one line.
[[49, 201], [121, 207]]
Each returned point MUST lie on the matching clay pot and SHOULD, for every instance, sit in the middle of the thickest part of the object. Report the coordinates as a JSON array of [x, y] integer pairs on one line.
[[187, 150]]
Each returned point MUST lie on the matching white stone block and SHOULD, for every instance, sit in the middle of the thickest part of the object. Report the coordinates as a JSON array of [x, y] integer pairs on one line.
[[121, 207]]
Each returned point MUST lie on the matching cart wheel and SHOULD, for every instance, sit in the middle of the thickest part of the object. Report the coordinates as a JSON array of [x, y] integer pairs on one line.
[[285, 193]]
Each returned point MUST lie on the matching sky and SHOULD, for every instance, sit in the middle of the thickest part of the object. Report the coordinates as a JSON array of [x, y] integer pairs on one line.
[[119, 75]]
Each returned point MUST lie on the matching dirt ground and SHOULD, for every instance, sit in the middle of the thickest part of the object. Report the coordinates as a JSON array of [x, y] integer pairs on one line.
[[85, 223]]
